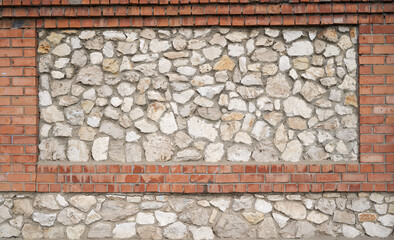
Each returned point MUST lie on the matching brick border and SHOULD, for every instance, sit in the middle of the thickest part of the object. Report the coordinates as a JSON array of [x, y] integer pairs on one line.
[[19, 170]]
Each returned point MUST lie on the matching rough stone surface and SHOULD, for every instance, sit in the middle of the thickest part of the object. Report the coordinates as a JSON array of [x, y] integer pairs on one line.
[[253, 94], [148, 216]]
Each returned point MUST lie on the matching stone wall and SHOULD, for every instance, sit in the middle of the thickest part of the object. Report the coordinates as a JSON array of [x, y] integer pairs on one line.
[[76, 216], [209, 95]]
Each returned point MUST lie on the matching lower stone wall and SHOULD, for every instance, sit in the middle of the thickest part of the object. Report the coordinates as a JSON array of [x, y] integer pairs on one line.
[[138, 216]]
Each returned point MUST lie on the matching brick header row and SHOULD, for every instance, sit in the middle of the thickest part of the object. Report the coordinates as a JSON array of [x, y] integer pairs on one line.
[[158, 2], [196, 9], [205, 178]]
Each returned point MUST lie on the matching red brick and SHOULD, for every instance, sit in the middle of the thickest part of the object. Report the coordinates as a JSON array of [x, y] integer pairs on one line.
[[227, 178], [384, 129], [177, 179], [302, 178], [383, 29], [383, 109], [252, 178], [383, 89], [328, 177], [371, 60], [371, 119], [371, 100], [278, 188], [353, 177], [371, 138], [383, 148], [371, 39], [378, 177], [46, 178], [277, 178], [23, 42], [201, 178], [327, 168], [152, 178], [340, 168]]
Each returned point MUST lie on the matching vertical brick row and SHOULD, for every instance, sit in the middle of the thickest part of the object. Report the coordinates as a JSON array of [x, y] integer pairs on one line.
[[376, 51], [18, 109]]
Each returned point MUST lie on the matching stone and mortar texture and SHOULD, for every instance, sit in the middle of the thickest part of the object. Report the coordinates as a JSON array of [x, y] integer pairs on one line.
[[205, 95], [133, 216]]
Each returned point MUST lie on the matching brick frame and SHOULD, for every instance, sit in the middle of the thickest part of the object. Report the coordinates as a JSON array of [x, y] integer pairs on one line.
[[19, 170]]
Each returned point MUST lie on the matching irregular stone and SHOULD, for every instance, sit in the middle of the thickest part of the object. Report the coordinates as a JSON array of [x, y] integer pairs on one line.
[[244, 202], [265, 152], [238, 153], [265, 55], [234, 36], [30, 231], [280, 219], [210, 91], [231, 226], [52, 114], [52, 149], [202, 233], [155, 110], [46, 201], [44, 219], [196, 216], [311, 91], [214, 152], [294, 210], [300, 48], [100, 230], [281, 138], [165, 218], [149, 232], [21, 206], [375, 230], [77, 151], [176, 230], [222, 203], [114, 210], [296, 107], [100, 148], [261, 130], [124, 230], [61, 50], [344, 217], [387, 220], [199, 128], [263, 206], [82, 202], [70, 216], [349, 231], [90, 75], [292, 151], [145, 126], [317, 217], [267, 229], [359, 205], [92, 217], [158, 148], [291, 35], [252, 79], [184, 96], [54, 233]]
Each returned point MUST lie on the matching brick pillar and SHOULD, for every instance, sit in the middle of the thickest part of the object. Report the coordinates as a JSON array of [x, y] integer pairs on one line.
[[18, 109]]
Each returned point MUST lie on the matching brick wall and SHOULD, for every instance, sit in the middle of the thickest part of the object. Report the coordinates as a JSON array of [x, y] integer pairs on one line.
[[18, 101]]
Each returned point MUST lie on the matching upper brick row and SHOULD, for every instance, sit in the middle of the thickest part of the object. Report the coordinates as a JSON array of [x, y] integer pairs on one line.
[[195, 9], [160, 2]]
